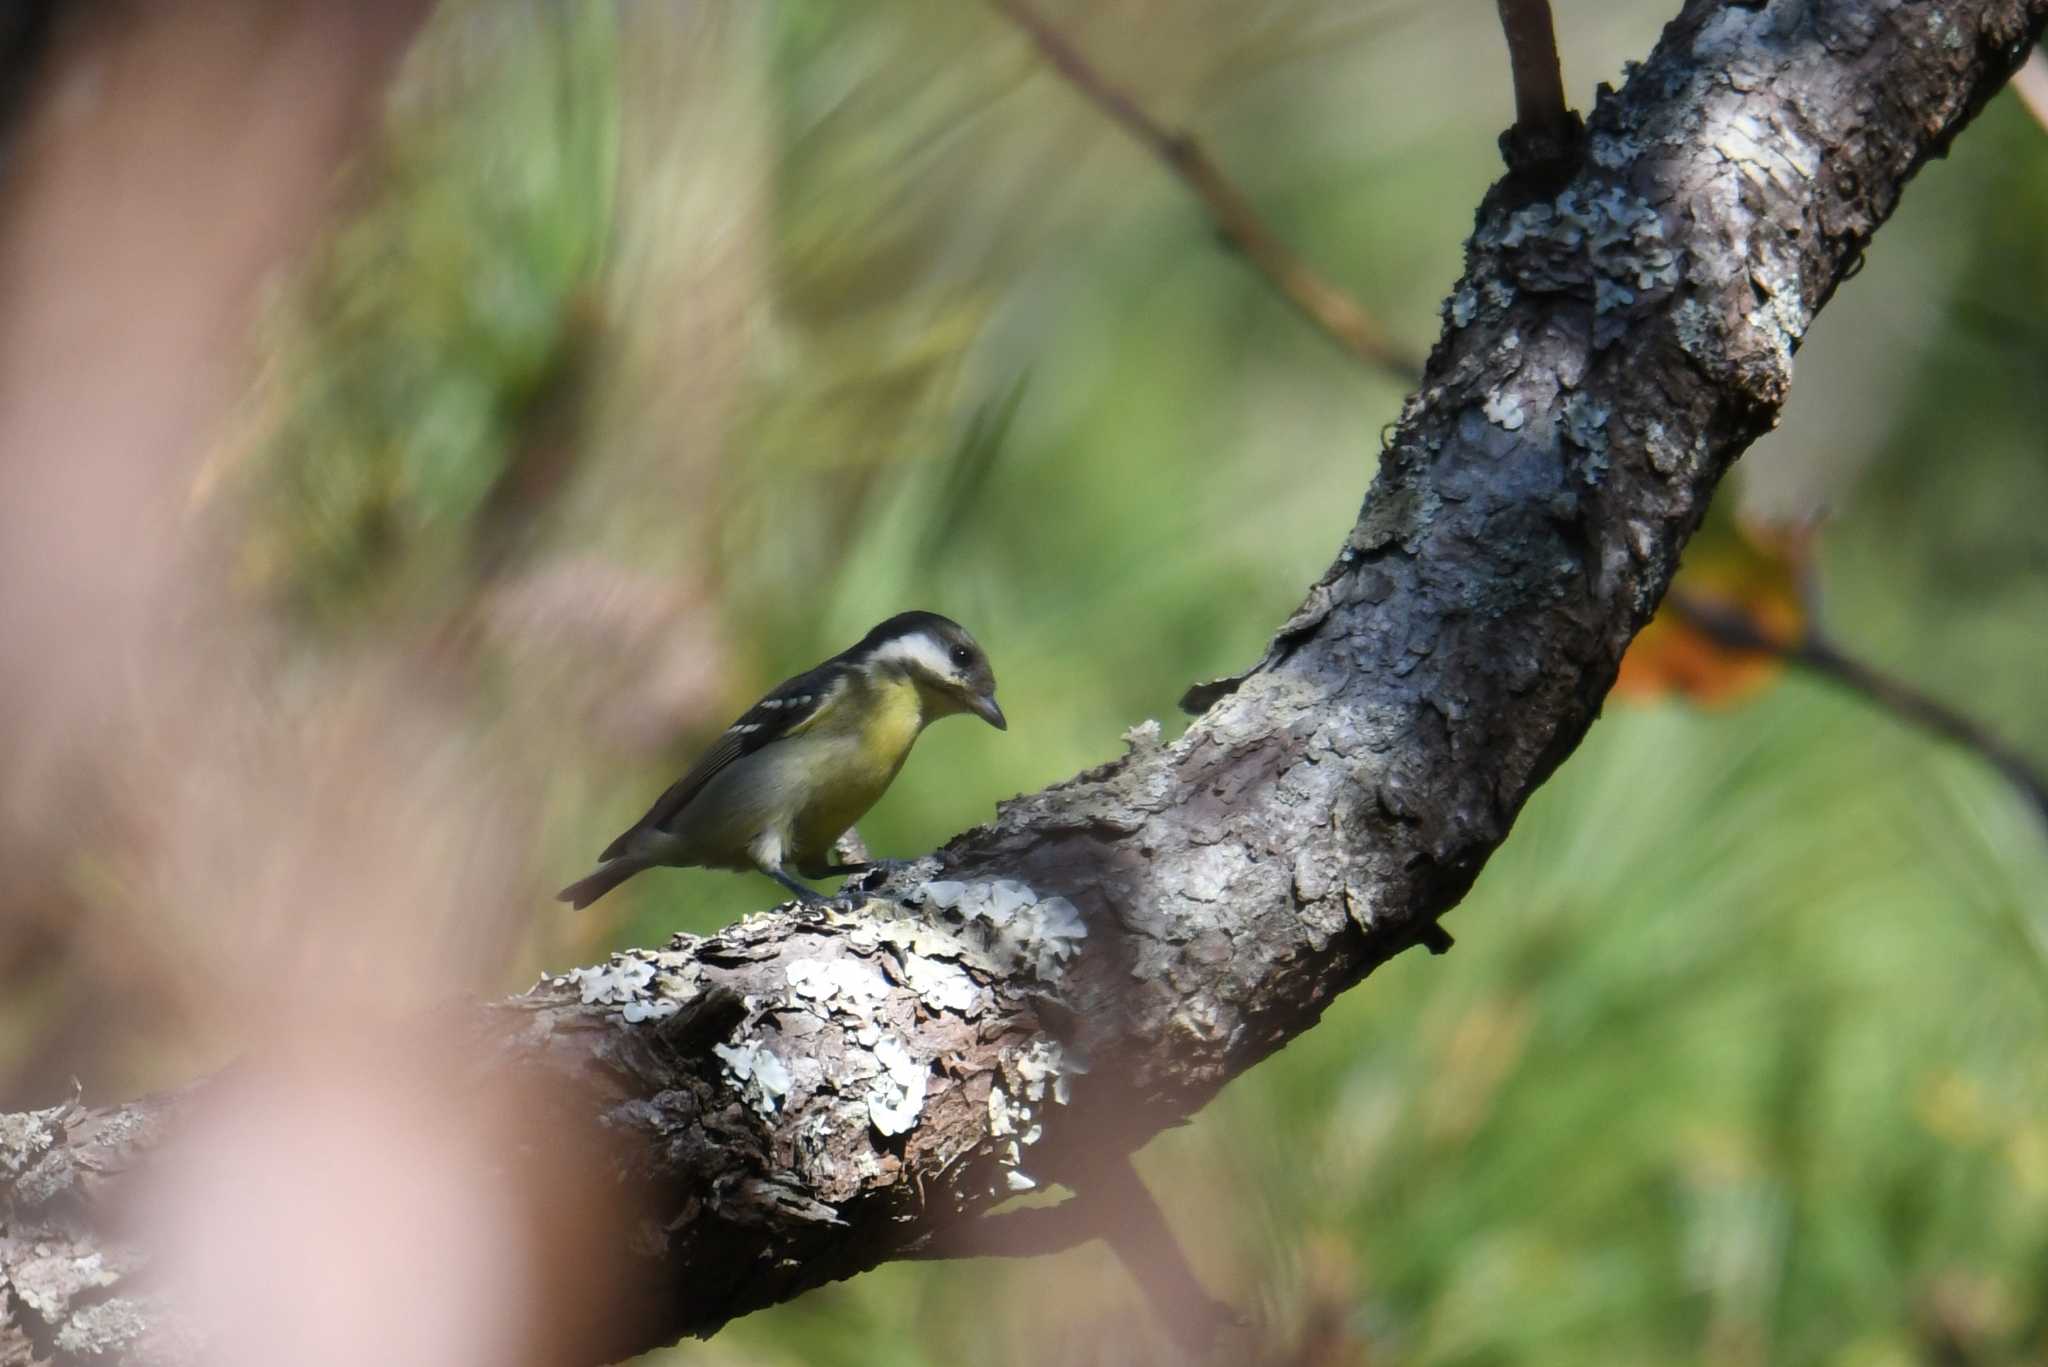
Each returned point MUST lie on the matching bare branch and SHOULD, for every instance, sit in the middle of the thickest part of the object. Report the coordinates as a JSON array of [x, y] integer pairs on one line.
[[1331, 309], [1814, 651]]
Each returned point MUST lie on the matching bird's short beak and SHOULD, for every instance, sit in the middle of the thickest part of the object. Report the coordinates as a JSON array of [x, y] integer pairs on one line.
[[984, 705]]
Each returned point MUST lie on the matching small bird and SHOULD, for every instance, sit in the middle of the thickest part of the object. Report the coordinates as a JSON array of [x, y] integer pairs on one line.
[[802, 765]]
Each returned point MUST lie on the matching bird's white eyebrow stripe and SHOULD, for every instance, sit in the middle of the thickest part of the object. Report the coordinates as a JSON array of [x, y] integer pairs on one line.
[[920, 648]]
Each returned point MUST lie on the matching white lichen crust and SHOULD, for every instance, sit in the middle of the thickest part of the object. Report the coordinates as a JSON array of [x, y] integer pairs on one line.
[[1041, 1070], [853, 1032], [54, 1274], [1011, 924]]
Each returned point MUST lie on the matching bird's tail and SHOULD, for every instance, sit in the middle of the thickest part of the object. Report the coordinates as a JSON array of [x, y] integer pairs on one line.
[[607, 876]]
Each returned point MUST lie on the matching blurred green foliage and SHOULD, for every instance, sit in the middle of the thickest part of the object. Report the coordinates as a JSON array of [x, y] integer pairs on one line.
[[439, 317], [1741, 1056]]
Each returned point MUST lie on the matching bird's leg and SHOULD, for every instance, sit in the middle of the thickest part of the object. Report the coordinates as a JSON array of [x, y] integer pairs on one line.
[[803, 893]]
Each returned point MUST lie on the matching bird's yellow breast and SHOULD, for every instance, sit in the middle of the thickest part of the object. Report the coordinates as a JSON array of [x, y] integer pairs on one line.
[[860, 744]]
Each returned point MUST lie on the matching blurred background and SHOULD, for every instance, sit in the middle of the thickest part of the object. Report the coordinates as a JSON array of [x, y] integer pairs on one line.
[[424, 424]]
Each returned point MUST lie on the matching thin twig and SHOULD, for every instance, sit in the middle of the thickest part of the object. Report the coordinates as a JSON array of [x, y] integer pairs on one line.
[[1113, 1204], [1544, 142], [1532, 57], [1734, 629], [1333, 311]]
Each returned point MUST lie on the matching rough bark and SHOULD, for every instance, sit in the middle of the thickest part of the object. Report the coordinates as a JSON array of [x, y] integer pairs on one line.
[[803, 1096]]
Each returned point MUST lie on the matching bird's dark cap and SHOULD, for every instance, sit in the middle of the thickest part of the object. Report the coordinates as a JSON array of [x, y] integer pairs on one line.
[[909, 624]]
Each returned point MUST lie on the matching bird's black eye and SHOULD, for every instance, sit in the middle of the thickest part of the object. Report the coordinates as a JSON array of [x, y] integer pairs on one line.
[[962, 656]]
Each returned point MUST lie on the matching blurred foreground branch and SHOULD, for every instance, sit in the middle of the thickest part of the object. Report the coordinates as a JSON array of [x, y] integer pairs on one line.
[[2030, 83], [24, 38], [803, 1096], [1331, 309], [1812, 650]]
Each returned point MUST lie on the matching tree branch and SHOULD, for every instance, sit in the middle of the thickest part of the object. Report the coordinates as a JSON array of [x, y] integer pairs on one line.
[[1332, 310], [1814, 651], [803, 1096]]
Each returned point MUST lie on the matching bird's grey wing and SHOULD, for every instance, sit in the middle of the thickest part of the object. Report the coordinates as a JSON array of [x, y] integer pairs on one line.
[[788, 710]]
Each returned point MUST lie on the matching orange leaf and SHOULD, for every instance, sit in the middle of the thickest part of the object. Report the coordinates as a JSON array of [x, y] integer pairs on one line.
[[1752, 573]]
